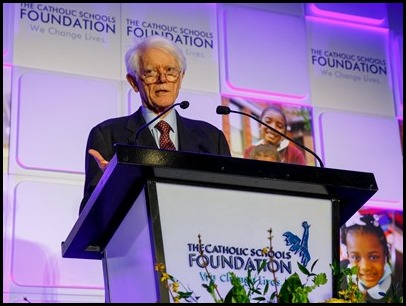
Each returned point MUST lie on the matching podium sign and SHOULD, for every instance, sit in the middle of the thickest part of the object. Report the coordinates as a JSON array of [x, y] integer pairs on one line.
[[151, 205]]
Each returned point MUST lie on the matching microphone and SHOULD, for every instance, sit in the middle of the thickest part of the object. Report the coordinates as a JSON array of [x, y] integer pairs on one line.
[[225, 110], [183, 105]]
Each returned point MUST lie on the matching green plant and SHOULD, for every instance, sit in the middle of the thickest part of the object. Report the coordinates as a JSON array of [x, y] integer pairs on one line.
[[351, 293], [294, 291], [173, 285]]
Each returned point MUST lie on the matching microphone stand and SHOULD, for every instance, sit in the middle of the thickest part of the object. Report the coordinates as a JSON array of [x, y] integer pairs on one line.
[[183, 105]]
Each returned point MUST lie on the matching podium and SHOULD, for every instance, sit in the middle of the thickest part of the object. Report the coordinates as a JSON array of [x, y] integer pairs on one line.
[[150, 205]]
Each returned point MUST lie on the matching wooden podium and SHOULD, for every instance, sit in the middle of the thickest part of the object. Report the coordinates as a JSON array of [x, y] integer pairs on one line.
[[151, 204]]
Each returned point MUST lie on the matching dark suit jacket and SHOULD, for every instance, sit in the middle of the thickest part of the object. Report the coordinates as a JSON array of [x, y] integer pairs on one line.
[[193, 136]]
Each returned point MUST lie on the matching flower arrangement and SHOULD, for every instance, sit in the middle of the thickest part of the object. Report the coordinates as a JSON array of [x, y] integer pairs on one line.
[[293, 290]]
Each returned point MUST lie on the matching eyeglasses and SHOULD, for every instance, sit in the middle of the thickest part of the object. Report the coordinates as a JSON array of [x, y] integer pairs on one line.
[[151, 76]]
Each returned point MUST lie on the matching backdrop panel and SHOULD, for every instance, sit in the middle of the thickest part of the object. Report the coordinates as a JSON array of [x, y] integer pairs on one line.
[[79, 38], [40, 213], [350, 68], [252, 44], [366, 143], [54, 114]]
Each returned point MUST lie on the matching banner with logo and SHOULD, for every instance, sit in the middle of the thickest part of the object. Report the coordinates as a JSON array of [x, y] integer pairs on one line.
[[77, 38], [234, 227], [349, 67], [192, 26]]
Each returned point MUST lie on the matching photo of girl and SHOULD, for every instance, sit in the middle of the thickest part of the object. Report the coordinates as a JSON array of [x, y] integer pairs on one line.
[[276, 118], [365, 245], [244, 134]]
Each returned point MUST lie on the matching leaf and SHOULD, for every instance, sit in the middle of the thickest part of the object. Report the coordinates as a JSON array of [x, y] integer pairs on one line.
[[266, 288], [209, 288], [311, 269], [320, 279], [259, 299], [289, 287], [262, 266], [185, 295], [303, 269], [256, 291], [237, 293]]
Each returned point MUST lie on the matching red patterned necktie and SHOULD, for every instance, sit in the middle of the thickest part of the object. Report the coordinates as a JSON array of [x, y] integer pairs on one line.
[[165, 141]]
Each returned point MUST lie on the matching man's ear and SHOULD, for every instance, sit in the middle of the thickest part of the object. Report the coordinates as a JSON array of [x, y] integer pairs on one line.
[[133, 82]]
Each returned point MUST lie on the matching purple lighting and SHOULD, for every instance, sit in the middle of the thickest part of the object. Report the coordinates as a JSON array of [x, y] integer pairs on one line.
[[276, 94], [348, 24], [351, 13]]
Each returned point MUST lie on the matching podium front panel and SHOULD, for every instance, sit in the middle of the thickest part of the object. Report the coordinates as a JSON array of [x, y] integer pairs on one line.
[[128, 262], [234, 228]]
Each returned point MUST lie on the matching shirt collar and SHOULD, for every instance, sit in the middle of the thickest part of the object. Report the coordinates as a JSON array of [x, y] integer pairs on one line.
[[170, 118]]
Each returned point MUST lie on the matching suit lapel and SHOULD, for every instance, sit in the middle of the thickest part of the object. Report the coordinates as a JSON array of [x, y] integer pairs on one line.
[[187, 139], [145, 138]]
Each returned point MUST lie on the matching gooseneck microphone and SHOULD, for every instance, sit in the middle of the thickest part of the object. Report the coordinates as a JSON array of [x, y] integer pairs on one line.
[[225, 110], [183, 105]]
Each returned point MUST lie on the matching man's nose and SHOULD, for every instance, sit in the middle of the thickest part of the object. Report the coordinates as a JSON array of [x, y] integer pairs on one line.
[[162, 77]]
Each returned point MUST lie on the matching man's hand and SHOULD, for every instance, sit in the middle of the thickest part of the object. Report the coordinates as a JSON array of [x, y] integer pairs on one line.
[[99, 159]]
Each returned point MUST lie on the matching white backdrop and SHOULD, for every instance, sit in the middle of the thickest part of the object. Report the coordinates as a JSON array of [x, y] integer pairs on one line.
[[63, 72]]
